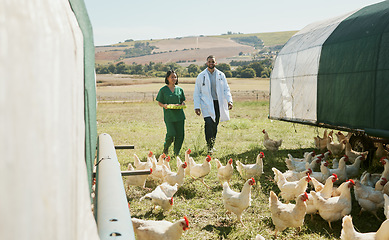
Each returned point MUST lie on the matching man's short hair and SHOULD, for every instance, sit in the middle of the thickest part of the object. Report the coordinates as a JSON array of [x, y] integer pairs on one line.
[[210, 56]]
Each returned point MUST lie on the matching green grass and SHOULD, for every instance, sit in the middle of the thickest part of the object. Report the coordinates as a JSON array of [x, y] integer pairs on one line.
[[141, 124]]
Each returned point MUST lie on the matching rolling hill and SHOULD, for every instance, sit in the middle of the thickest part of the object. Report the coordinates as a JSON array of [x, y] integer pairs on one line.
[[195, 49]]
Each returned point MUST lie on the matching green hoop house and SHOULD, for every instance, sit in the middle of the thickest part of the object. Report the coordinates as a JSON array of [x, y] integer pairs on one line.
[[335, 73]]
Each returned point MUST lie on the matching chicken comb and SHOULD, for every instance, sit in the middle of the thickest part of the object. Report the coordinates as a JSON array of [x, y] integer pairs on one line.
[[262, 154], [185, 165], [150, 153], [382, 160], [151, 170], [263, 130], [189, 151], [336, 176], [187, 223], [171, 201], [309, 171], [253, 180], [352, 181], [209, 157], [385, 180], [167, 159], [230, 161], [306, 196]]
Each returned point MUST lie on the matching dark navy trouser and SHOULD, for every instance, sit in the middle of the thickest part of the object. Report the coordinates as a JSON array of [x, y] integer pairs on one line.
[[211, 126]]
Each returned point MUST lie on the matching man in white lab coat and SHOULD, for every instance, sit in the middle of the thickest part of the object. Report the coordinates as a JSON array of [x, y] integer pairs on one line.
[[213, 98]]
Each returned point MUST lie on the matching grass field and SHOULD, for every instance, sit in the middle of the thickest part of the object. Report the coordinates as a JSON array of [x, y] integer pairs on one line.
[[141, 124]]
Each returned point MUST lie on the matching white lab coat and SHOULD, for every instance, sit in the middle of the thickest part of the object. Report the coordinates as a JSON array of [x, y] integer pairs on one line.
[[202, 97]]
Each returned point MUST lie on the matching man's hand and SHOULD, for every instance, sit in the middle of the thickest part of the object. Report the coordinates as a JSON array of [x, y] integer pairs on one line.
[[229, 105], [198, 111]]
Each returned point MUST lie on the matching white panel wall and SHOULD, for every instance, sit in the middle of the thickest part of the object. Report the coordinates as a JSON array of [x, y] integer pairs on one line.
[[44, 191], [293, 84]]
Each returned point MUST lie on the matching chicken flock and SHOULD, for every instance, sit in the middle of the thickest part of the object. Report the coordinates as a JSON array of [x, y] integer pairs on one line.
[[313, 184]]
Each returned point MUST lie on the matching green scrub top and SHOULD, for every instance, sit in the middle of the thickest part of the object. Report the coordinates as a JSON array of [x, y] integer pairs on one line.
[[166, 96]]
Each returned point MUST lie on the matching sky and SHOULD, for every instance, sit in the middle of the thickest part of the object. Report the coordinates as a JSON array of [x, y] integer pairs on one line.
[[118, 20]]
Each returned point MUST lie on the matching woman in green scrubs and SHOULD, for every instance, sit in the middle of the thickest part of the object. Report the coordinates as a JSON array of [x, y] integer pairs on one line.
[[172, 98]]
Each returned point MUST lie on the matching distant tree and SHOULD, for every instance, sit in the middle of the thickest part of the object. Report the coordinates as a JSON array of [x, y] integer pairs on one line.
[[257, 66], [111, 68], [228, 74], [247, 73], [240, 53], [122, 68], [223, 67], [193, 68]]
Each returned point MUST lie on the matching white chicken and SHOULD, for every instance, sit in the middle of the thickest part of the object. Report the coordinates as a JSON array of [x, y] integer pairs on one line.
[[247, 171], [334, 208], [237, 202], [386, 206], [174, 178], [323, 174], [157, 173], [352, 155], [295, 176], [381, 152], [160, 198], [224, 173], [369, 199], [290, 190], [326, 190], [321, 142], [353, 169], [341, 171], [380, 184], [369, 179], [386, 188], [187, 157], [301, 166], [142, 165], [269, 143], [349, 233], [161, 230], [137, 180], [308, 156], [335, 148], [385, 173], [199, 171], [340, 136], [287, 215]]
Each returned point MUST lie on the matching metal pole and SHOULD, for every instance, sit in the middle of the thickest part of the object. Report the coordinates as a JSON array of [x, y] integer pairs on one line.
[[113, 216]]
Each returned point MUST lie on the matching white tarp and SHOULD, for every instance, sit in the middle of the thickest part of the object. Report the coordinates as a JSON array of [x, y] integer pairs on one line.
[[293, 83], [43, 180]]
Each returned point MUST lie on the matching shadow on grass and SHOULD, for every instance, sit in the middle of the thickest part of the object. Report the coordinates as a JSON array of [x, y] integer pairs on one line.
[[222, 231], [157, 214]]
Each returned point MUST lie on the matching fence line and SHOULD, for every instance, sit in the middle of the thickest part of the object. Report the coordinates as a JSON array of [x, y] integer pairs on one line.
[[250, 95]]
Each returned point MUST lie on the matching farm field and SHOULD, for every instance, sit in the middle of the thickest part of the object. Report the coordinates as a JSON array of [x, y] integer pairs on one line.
[[114, 87], [141, 124]]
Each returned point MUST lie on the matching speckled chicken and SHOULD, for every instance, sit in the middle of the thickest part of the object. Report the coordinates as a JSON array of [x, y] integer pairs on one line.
[[269, 143]]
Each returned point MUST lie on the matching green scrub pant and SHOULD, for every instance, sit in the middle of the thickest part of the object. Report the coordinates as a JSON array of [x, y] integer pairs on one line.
[[175, 133]]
